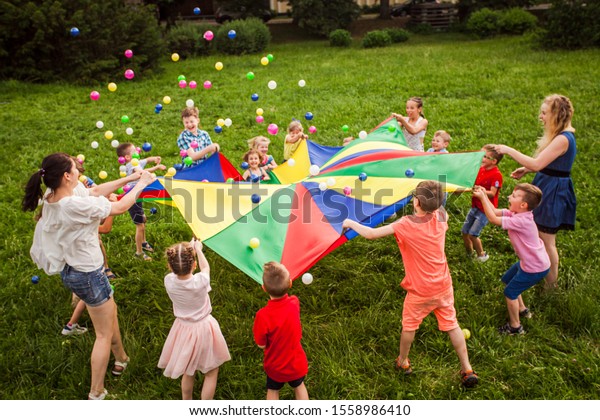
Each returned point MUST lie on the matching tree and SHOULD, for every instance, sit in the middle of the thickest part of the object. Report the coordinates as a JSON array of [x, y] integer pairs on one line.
[[384, 9], [320, 17]]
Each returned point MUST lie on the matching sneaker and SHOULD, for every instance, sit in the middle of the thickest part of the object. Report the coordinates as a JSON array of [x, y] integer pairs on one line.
[[147, 247], [483, 258], [143, 256], [74, 329], [508, 330], [469, 378], [405, 367], [99, 396], [525, 313]]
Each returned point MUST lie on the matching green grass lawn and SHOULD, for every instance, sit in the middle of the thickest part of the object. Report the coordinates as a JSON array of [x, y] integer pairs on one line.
[[479, 91]]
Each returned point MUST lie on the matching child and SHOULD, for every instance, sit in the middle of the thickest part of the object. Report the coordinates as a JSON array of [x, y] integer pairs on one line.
[[421, 238], [195, 341], [490, 178], [414, 125], [255, 172], [261, 143], [293, 139], [204, 145], [534, 263], [440, 142], [126, 150], [277, 330]]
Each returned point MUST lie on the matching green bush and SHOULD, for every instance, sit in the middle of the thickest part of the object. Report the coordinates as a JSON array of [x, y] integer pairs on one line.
[[517, 21], [252, 36], [484, 23], [320, 17], [572, 24], [421, 28], [187, 39], [376, 39], [397, 34], [36, 45], [340, 38]]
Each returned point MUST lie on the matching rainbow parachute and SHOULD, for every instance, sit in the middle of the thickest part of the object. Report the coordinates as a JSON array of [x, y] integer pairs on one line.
[[299, 222]]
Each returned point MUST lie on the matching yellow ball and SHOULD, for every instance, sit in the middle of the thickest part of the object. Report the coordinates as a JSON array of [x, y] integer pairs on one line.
[[171, 171], [264, 61], [175, 57], [135, 162], [259, 111], [219, 65], [167, 100], [122, 174], [112, 87], [102, 174], [466, 333], [81, 158], [82, 179], [254, 243], [108, 134], [220, 122]]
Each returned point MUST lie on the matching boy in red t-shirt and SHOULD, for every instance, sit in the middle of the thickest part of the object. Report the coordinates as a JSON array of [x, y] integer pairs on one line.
[[421, 238], [490, 178], [277, 330]]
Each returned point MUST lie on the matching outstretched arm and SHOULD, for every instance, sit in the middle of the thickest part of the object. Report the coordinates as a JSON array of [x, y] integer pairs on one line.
[[556, 148], [107, 188], [411, 128], [493, 214], [368, 232], [129, 199], [202, 261]]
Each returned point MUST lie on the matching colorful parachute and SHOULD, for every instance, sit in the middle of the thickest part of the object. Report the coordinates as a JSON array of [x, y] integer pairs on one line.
[[299, 223]]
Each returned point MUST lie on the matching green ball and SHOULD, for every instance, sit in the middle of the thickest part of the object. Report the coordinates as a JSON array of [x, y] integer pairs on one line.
[[229, 180], [135, 155], [270, 57], [250, 75], [391, 128], [188, 161], [120, 191], [345, 128], [124, 119], [180, 77]]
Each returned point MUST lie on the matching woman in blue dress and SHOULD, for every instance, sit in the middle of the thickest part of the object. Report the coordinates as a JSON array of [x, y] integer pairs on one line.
[[552, 161]]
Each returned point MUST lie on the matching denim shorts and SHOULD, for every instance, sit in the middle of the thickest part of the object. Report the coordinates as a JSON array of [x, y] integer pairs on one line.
[[475, 222], [517, 280], [276, 386], [137, 214], [92, 287]]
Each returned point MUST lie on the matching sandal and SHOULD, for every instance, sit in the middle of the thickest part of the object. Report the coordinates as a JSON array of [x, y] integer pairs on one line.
[[469, 378], [405, 367], [99, 396], [143, 256], [108, 272], [147, 247], [119, 367]]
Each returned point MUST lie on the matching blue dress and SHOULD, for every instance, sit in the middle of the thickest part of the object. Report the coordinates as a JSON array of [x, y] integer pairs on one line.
[[557, 209]]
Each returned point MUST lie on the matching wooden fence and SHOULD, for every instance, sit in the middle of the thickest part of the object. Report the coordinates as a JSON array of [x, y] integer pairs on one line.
[[439, 16]]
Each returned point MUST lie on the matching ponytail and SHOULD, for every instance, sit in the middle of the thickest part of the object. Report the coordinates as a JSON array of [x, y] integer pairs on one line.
[[51, 173]]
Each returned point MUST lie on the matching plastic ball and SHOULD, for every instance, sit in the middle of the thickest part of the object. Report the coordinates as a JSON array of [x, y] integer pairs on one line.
[[264, 61], [314, 170], [35, 279], [82, 179], [259, 111], [108, 135], [128, 53], [307, 278], [189, 103], [99, 124], [194, 144], [183, 153], [254, 178], [178, 166], [182, 84], [166, 100], [81, 158], [153, 210], [136, 154], [114, 143], [270, 57], [312, 129], [120, 191], [147, 147], [129, 131], [94, 95], [124, 119], [250, 75], [330, 182], [175, 57], [207, 84], [129, 74], [229, 180], [218, 129], [345, 128], [126, 188], [74, 31], [362, 135], [231, 34], [244, 165], [112, 86], [466, 333], [391, 128], [180, 77], [171, 171], [135, 162], [220, 122], [272, 84], [228, 122], [322, 186], [122, 174], [122, 160], [188, 161], [219, 66], [308, 116], [254, 97], [409, 173], [291, 162], [362, 176], [196, 11], [272, 129], [254, 243], [301, 83], [208, 35], [193, 84], [94, 145], [102, 174], [347, 190], [260, 119], [255, 198]]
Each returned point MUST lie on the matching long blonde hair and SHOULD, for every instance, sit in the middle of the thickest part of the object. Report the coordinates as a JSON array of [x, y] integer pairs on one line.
[[560, 111]]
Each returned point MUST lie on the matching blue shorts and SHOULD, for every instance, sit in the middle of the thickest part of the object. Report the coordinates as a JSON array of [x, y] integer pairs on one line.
[[517, 280], [276, 386], [475, 222], [137, 214], [93, 287]]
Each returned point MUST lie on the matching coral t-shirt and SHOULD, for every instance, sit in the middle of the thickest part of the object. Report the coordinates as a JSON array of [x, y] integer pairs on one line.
[[277, 326]]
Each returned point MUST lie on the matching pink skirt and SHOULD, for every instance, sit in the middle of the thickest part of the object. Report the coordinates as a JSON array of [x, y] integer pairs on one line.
[[193, 346]]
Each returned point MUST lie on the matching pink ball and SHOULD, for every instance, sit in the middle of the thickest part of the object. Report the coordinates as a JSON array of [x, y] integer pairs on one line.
[[128, 53], [139, 149], [312, 129], [94, 95], [129, 74], [208, 35], [194, 144], [193, 84], [122, 160], [273, 129], [126, 188], [260, 119], [347, 190], [207, 84], [183, 153], [182, 84]]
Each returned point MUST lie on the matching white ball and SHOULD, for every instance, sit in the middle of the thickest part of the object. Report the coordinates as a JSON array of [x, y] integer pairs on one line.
[[228, 122], [99, 124], [291, 162], [362, 134], [129, 131], [272, 84], [189, 103], [330, 182], [307, 278], [313, 170], [114, 143], [301, 83], [122, 168], [322, 186], [94, 145]]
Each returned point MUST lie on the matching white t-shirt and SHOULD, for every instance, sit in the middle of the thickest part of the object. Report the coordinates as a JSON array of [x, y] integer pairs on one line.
[[190, 297], [67, 233], [414, 141]]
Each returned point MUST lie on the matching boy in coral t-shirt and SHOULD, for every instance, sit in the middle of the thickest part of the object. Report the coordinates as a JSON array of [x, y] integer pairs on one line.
[[421, 238], [277, 330]]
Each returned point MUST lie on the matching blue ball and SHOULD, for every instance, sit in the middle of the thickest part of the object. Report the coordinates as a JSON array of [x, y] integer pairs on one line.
[[196, 10], [409, 173], [245, 165], [153, 210], [157, 111], [231, 34], [178, 166], [254, 178], [308, 116], [255, 97], [362, 176], [146, 147], [35, 279], [218, 129], [255, 197], [158, 107], [74, 32]]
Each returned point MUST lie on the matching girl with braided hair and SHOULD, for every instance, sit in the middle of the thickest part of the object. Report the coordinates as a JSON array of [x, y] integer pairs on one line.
[[195, 342]]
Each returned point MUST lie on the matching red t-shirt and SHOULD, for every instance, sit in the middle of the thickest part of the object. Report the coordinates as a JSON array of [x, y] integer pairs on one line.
[[488, 178], [277, 326]]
